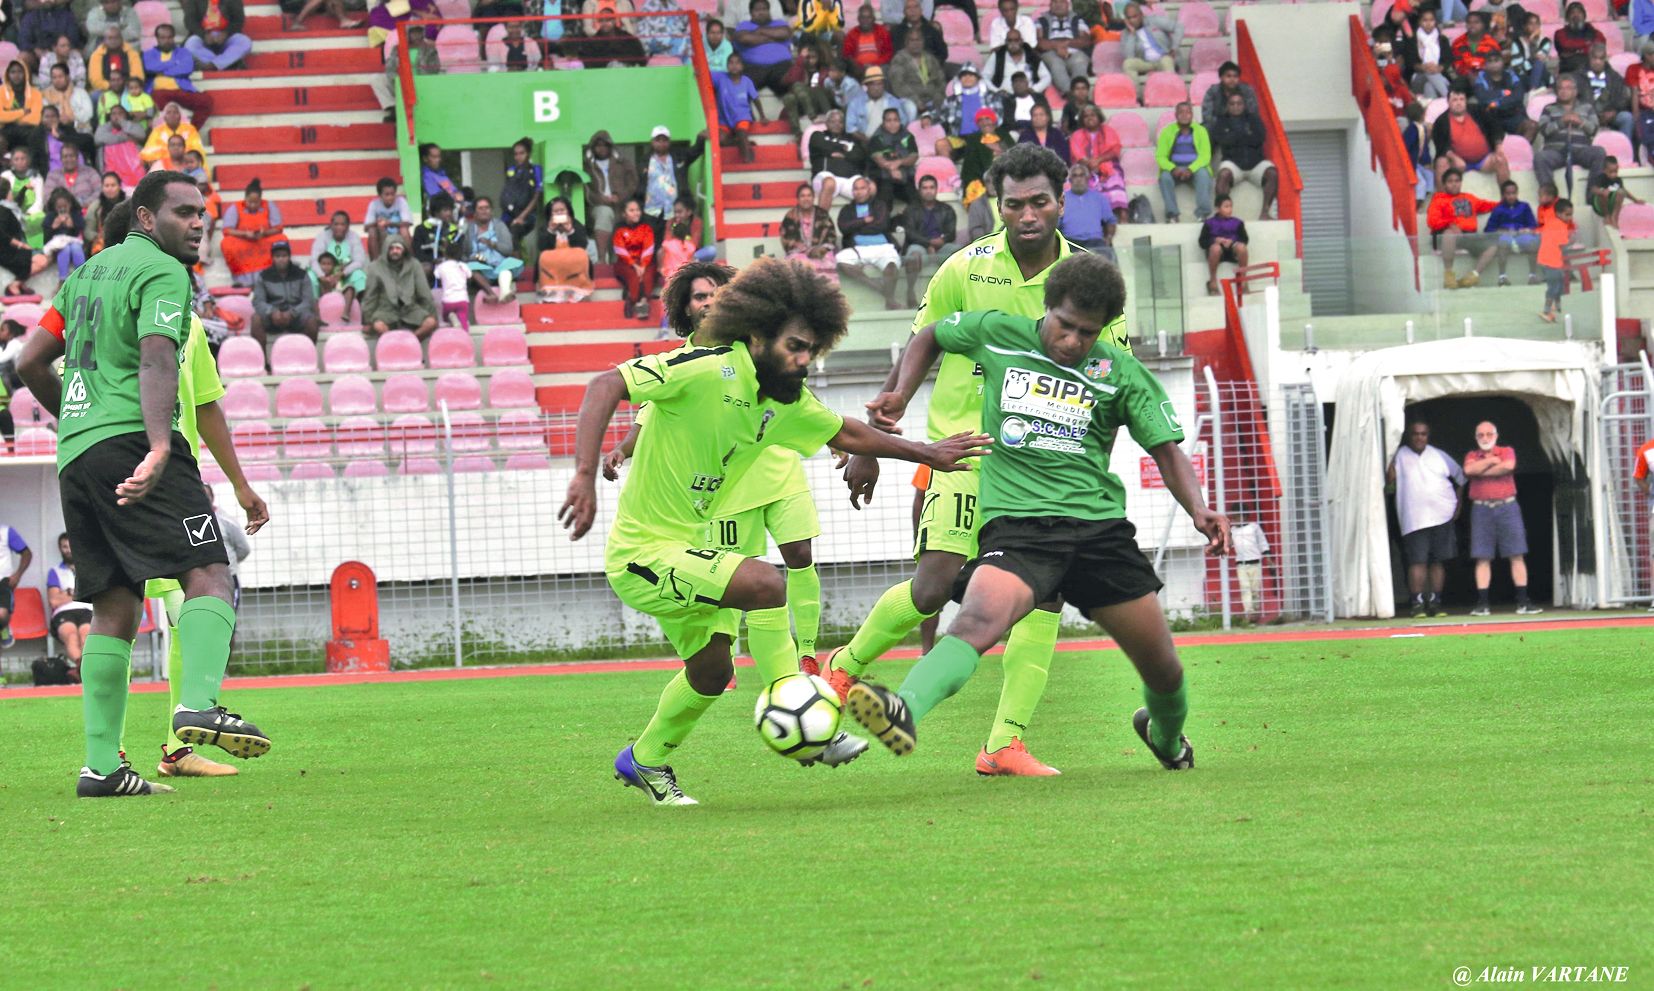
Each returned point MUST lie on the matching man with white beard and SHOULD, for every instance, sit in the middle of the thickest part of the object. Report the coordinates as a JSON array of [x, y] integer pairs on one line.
[[1496, 528]]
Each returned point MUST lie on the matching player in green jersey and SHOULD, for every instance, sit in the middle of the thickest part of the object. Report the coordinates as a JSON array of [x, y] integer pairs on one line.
[[1054, 516], [1006, 271], [773, 495], [708, 407], [133, 502]]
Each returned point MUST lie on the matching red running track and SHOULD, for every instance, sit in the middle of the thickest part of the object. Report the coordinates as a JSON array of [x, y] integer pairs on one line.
[[1066, 646]]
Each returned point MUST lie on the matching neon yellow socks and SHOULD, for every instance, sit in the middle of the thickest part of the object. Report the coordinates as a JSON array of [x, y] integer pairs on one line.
[[938, 675], [103, 674], [205, 625], [175, 686], [804, 599], [1027, 662], [893, 617], [770, 639], [679, 709], [1166, 715]]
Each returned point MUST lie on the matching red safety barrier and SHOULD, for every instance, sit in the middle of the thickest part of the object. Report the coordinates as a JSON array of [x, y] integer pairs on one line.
[[1276, 147], [1390, 158]]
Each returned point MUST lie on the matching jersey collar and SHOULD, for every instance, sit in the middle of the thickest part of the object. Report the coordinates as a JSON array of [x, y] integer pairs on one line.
[[1064, 249]]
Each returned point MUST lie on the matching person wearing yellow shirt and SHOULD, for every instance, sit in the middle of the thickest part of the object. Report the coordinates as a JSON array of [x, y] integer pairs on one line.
[[172, 122]]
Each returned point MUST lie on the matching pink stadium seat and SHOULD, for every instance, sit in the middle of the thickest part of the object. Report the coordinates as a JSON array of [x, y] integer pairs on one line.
[[470, 432], [504, 346], [661, 59], [261, 472], [460, 390], [406, 393], [527, 462], [419, 466], [1637, 221], [305, 438], [293, 354], [1208, 54], [1140, 166], [1623, 61], [1537, 102], [494, 46], [360, 437], [26, 411], [458, 53], [1613, 38], [350, 395], [1198, 87], [8, 52], [27, 314], [804, 142], [1596, 10], [706, 8], [955, 25], [942, 169], [312, 471], [211, 474], [1548, 10], [366, 469], [1164, 89], [240, 357], [245, 399], [254, 441], [963, 53], [473, 464], [35, 442], [496, 314], [1518, 152], [1114, 92], [398, 351], [511, 389], [151, 14], [451, 348], [298, 397], [520, 430], [345, 352], [455, 10], [330, 308], [1617, 145], [1433, 109], [1199, 20], [1167, 119], [411, 433], [1107, 58], [1132, 129], [241, 306]]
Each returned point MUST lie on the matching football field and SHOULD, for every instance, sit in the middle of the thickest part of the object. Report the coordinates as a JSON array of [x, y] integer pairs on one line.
[[1362, 814]]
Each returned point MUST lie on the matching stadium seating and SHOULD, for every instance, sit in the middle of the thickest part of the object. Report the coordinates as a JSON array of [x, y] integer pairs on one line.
[[1132, 129], [1208, 54], [1537, 102], [1198, 87], [306, 438], [1621, 61], [261, 472], [495, 314], [240, 357], [470, 432], [472, 464], [398, 351], [151, 15], [240, 306], [956, 27], [345, 352], [312, 471], [330, 308], [245, 399], [405, 394], [459, 390], [504, 346], [510, 389], [350, 395], [298, 397], [1518, 152], [211, 474], [494, 46], [411, 433], [1141, 168], [419, 466], [943, 170], [366, 469], [1199, 20], [27, 314], [28, 618], [360, 437], [527, 462], [254, 441], [1618, 145], [1107, 57], [1597, 10], [520, 430], [26, 410], [1637, 221], [451, 348], [34, 442], [1433, 109], [1164, 89], [293, 354], [1114, 92]]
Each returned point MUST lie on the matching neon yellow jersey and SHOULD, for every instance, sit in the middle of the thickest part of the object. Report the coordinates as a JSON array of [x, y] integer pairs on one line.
[[983, 276], [198, 382]]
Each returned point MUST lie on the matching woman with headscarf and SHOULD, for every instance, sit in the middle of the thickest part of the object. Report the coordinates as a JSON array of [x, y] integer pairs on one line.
[[396, 296], [20, 105], [250, 228], [1098, 146], [565, 267]]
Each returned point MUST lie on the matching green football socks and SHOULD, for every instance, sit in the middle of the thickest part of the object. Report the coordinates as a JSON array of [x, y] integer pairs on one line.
[[938, 675], [1166, 715], [770, 639], [1027, 662], [205, 625], [679, 709], [103, 676], [893, 617], [804, 598]]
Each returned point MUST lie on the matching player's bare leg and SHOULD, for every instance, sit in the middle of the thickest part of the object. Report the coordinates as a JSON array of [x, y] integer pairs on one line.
[[1139, 627]]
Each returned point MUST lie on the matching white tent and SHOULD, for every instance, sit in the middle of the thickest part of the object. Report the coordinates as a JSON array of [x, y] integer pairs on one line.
[[1558, 381]]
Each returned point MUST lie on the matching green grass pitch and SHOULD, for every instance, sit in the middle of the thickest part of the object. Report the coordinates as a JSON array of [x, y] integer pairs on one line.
[[1363, 814]]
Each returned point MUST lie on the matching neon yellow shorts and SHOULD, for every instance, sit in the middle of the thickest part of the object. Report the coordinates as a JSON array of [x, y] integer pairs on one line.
[[157, 588], [788, 519], [681, 588], [948, 522]]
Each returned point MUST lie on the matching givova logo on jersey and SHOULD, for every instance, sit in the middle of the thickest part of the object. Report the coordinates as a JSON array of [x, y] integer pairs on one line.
[[1047, 397]]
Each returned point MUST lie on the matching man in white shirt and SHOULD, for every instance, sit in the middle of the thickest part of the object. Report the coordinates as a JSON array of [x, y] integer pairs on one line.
[[1250, 547], [1428, 487], [1007, 20], [71, 618]]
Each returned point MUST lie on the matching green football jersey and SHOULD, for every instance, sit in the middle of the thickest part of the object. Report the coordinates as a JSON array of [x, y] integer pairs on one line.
[[983, 276], [1054, 426], [123, 294], [198, 382], [704, 414]]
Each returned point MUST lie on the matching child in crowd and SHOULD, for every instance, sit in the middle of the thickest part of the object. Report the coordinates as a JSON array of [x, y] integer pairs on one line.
[[1518, 231], [453, 278], [140, 106], [1608, 193], [388, 214], [1417, 139], [1223, 237], [1554, 235]]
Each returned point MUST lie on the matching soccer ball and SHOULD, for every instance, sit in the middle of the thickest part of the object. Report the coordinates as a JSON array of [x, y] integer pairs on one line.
[[798, 715]]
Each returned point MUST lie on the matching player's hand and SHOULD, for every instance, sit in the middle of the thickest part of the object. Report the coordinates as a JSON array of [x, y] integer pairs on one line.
[[144, 477], [948, 455], [840, 458], [579, 507], [861, 474], [612, 462], [257, 512], [885, 411], [1215, 527]]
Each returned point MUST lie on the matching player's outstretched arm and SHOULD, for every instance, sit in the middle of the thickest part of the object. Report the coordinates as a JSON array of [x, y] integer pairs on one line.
[[1180, 478], [944, 455], [215, 433], [34, 367], [887, 409], [603, 397], [622, 451]]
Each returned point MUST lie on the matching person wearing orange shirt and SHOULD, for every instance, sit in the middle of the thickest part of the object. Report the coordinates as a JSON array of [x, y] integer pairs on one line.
[[1555, 231], [1452, 220]]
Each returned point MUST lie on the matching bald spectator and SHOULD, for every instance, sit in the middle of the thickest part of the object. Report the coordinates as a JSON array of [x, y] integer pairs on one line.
[[115, 13], [868, 43], [1427, 484], [1496, 528]]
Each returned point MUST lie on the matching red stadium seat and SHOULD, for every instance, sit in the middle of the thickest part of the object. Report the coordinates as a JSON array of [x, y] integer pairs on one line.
[[527, 462], [350, 395], [473, 464], [1208, 54], [1199, 20], [406, 394], [360, 437], [398, 351], [504, 346], [306, 438], [459, 390], [470, 432], [452, 348], [35, 442], [345, 352], [1141, 168], [1114, 92], [956, 26], [245, 399], [28, 614], [511, 389], [298, 397], [240, 357], [1132, 129], [520, 430], [366, 469], [411, 433], [254, 441], [312, 471], [558, 398]]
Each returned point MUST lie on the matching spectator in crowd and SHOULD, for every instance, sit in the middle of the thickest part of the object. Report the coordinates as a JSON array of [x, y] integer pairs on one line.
[[1064, 43], [1530, 54], [979, 148], [20, 105], [119, 151], [1471, 49], [869, 255], [1011, 58], [53, 136], [1640, 475], [282, 300], [1608, 194], [1239, 136], [64, 232], [915, 22], [967, 97], [610, 45], [1496, 528], [930, 228], [388, 214], [1087, 215], [1389, 70], [613, 178], [520, 194], [808, 235], [251, 229], [344, 246], [110, 196], [1184, 153], [808, 92], [433, 178], [71, 618], [1425, 57], [821, 20], [514, 44], [16, 256], [379, 28], [1556, 231], [1097, 146], [837, 159], [564, 263], [116, 13], [868, 43], [1642, 22], [636, 265], [196, 169], [1040, 131], [453, 287], [1427, 484], [42, 22], [1010, 18], [109, 97], [1223, 238], [16, 550], [879, 100], [73, 105], [1415, 137], [140, 105], [1607, 92], [1452, 221], [114, 55], [81, 182], [424, 59], [737, 104], [762, 42], [1639, 79], [666, 174], [398, 293], [172, 122], [62, 53], [1017, 106], [1075, 101], [219, 42], [1462, 142], [488, 248], [682, 243], [28, 187], [1215, 102], [1513, 223], [1149, 43], [895, 155], [718, 46], [168, 68], [1501, 98], [662, 34], [1575, 38], [1566, 130], [926, 132]]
